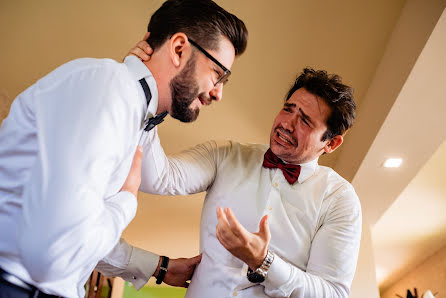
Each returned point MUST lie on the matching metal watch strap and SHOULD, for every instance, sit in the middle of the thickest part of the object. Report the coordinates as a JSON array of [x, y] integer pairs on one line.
[[163, 270], [259, 275], [263, 269]]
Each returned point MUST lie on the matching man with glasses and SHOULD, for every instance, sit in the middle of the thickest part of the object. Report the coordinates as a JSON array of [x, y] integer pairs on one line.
[[66, 193]]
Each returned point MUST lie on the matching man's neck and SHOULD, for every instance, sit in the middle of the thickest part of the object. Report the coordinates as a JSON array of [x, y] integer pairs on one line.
[[162, 77]]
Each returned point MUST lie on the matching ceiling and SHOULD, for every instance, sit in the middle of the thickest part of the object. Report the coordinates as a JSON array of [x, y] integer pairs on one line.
[[391, 52]]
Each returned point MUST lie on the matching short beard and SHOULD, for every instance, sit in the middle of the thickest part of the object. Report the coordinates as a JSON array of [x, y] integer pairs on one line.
[[184, 90]]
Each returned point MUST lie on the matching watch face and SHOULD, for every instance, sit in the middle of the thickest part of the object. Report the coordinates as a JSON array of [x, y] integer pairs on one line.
[[255, 277]]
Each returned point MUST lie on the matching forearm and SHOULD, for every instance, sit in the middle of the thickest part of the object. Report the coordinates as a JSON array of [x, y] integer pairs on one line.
[[188, 172]]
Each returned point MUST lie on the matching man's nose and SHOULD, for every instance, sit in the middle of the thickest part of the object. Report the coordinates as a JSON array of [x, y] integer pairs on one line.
[[289, 123], [217, 92]]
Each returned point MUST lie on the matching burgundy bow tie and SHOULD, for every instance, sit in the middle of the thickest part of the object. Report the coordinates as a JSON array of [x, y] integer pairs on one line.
[[290, 171]]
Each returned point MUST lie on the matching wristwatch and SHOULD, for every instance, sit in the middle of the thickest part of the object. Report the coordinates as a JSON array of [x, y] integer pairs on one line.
[[259, 275], [163, 270]]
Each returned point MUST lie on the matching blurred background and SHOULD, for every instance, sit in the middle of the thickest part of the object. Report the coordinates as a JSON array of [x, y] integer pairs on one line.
[[393, 52]]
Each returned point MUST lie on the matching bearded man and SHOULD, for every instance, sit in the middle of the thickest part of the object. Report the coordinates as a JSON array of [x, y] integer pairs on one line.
[[68, 142]]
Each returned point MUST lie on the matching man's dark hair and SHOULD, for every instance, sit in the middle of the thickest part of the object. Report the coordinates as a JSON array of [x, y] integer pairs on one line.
[[201, 20], [338, 96]]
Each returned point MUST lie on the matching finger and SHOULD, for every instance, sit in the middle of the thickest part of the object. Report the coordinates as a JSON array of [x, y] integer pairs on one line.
[[137, 160], [143, 45], [223, 224], [264, 231], [139, 53], [133, 180], [221, 218], [222, 229], [221, 239], [236, 226]]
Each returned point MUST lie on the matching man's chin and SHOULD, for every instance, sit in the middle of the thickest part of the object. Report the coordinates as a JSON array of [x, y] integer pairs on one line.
[[279, 150], [187, 117], [275, 148]]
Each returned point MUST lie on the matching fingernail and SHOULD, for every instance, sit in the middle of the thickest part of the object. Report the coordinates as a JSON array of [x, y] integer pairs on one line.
[[140, 148]]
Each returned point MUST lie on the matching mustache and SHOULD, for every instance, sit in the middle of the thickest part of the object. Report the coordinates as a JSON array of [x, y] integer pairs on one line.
[[286, 133], [205, 98]]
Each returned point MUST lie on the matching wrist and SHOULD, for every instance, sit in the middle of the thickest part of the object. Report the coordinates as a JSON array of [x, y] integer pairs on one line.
[[162, 270], [259, 275], [258, 261], [157, 270]]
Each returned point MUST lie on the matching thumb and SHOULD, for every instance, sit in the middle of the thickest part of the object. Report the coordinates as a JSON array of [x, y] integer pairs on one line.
[[264, 228], [137, 159]]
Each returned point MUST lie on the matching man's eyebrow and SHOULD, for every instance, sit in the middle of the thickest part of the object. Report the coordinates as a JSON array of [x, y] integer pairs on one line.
[[290, 105], [305, 116]]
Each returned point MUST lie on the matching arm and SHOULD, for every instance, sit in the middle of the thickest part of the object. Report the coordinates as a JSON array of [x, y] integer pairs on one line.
[[188, 172], [333, 255], [66, 223], [136, 265]]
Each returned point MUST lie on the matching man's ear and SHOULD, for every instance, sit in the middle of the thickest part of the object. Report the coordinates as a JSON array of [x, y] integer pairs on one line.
[[178, 45], [334, 143]]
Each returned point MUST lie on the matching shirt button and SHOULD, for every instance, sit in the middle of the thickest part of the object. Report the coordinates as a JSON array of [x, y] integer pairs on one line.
[[270, 208], [133, 277], [275, 184], [235, 293]]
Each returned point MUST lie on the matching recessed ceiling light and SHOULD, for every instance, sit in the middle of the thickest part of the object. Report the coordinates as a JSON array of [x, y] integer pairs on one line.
[[393, 162]]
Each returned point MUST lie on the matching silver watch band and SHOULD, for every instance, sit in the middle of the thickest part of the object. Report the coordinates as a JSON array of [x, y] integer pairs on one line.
[[263, 269]]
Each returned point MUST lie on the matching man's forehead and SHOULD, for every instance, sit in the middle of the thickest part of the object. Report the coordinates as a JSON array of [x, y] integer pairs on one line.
[[310, 104]]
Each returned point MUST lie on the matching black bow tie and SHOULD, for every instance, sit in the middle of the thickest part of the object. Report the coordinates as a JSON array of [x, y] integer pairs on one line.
[[154, 121]]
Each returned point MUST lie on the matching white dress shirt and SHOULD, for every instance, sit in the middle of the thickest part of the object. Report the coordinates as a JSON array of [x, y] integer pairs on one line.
[[66, 148], [315, 224]]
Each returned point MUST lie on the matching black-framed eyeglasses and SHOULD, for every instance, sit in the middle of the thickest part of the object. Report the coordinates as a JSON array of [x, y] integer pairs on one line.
[[226, 72]]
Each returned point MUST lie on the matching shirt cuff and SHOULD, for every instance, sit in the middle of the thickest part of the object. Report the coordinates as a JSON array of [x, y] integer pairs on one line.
[[141, 267], [278, 274]]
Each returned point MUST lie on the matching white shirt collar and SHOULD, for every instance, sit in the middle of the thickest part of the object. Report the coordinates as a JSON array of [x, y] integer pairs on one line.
[[139, 70], [307, 170]]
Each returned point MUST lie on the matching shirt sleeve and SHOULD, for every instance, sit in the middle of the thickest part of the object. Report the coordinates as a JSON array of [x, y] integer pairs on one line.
[[333, 256], [132, 264], [68, 223], [191, 171]]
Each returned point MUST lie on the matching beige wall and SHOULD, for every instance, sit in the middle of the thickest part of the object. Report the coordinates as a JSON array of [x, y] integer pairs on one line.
[[430, 275], [4, 108], [364, 284]]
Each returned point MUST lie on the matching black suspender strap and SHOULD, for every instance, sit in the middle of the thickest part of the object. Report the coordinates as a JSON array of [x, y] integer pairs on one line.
[[154, 121]]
